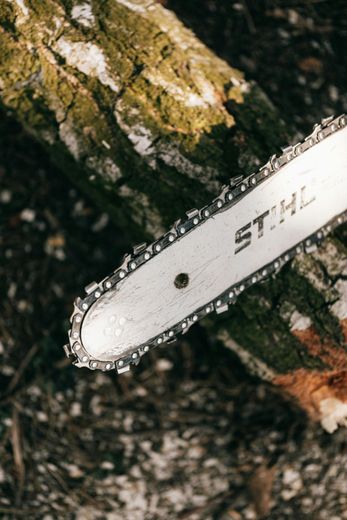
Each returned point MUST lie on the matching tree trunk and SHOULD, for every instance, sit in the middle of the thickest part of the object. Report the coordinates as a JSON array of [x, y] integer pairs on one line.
[[148, 121]]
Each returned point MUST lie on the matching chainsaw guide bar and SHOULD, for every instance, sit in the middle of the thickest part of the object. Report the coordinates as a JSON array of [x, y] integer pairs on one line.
[[202, 264]]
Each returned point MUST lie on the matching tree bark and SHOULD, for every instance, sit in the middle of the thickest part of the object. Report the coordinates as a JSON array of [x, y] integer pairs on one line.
[[149, 122]]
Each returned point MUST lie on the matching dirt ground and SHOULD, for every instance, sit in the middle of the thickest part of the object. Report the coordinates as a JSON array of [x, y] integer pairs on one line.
[[188, 434]]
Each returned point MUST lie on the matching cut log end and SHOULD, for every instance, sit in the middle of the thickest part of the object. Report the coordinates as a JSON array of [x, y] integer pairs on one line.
[[323, 395]]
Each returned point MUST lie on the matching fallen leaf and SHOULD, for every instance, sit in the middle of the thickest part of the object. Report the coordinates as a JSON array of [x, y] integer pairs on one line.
[[311, 65], [260, 488]]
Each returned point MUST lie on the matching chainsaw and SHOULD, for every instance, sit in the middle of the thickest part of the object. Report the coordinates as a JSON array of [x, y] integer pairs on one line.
[[206, 260]]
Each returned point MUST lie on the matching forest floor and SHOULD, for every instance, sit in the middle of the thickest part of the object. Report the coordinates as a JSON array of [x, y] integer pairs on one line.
[[188, 434]]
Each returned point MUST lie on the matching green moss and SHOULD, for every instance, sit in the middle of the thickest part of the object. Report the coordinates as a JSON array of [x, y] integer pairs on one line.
[[259, 328], [256, 323], [135, 47], [8, 16], [54, 84]]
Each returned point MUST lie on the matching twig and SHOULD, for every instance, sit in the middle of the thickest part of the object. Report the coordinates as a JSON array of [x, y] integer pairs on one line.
[[251, 26], [17, 451], [21, 369], [28, 513]]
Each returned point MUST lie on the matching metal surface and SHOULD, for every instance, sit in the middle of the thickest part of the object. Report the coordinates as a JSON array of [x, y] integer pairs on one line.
[[246, 234]]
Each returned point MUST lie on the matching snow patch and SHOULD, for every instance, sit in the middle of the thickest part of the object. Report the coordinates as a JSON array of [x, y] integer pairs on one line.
[[83, 14], [242, 84], [299, 322], [139, 135], [333, 414], [58, 22], [339, 308], [133, 5], [69, 137], [194, 100], [207, 90], [105, 167], [142, 140], [187, 96], [87, 58], [24, 10]]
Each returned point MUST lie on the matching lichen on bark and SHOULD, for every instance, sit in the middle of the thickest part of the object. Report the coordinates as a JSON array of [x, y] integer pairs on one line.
[[136, 88]]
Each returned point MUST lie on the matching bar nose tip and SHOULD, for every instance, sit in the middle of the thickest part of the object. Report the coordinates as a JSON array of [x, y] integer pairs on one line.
[[104, 335]]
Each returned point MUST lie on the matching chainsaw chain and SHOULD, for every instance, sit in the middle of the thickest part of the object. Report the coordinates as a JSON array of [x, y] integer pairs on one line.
[[238, 188]]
